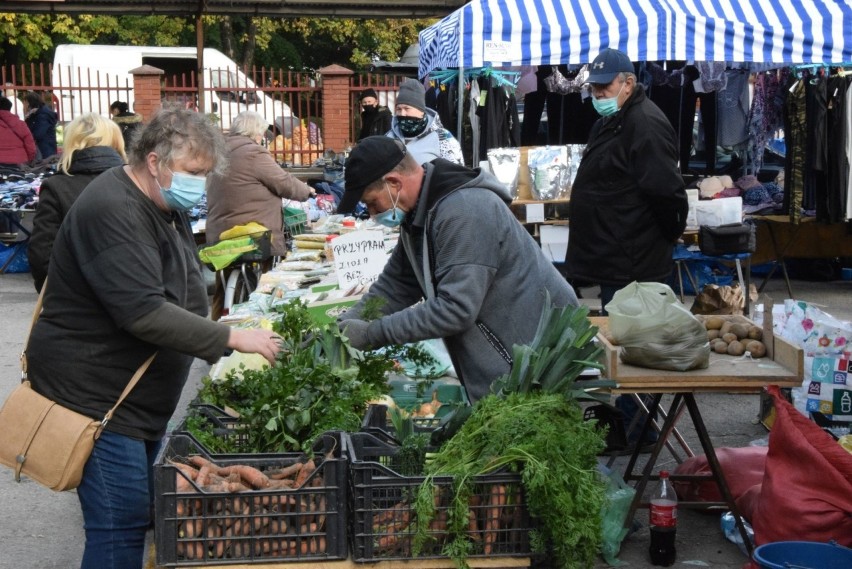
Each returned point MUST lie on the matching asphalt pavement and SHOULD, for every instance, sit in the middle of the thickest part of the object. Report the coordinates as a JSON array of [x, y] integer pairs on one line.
[[40, 529]]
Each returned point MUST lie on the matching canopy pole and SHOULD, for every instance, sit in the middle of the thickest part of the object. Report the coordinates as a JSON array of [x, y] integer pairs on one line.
[[460, 108]]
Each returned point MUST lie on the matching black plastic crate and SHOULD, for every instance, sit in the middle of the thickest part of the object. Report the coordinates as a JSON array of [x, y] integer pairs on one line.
[[383, 514], [834, 428], [261, 526], [377, 421], [220, 424]]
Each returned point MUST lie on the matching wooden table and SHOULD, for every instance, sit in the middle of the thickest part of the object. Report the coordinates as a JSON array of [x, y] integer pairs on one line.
[[783, 366], [473, 562]]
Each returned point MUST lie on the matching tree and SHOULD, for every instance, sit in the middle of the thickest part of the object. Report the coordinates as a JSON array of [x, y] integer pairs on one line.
[[297, 44]]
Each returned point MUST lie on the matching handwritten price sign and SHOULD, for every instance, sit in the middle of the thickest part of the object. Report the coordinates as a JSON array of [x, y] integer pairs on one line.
[[359, 257]]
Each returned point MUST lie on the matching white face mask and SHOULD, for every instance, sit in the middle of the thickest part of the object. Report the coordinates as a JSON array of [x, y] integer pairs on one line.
[[608, 106]]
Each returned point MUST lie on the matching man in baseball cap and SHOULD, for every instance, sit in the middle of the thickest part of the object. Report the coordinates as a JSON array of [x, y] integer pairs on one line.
[[628, 204], [463, 270]]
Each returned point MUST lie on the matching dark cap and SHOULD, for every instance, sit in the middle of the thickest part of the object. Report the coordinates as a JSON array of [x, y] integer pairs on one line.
[[608, 64], [371, 159], [368, 92]]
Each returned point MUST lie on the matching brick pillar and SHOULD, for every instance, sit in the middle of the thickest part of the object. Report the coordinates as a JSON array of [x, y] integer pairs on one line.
[[336, 113], [147, 97]]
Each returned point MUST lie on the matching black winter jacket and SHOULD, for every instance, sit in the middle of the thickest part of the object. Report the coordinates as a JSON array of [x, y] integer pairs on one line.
[[377, 123], [628, 204], [56, 196], [42, 123]]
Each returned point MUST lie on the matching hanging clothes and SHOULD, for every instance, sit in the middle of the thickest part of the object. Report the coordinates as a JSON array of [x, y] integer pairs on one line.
[[847, 123], [816, 144], [499, 123], [766, 114], [837, 173], [733, 109], [795, 134]]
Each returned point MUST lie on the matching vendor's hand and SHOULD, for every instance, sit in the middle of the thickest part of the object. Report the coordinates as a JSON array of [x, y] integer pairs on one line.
[[356, 331], [256, 341]]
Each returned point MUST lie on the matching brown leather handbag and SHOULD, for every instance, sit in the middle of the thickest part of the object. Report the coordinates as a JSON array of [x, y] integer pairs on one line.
[[44, 440]]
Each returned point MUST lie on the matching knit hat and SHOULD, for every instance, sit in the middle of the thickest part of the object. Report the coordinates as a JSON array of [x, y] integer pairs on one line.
[[371, 159], [413, 94], [368, 92]]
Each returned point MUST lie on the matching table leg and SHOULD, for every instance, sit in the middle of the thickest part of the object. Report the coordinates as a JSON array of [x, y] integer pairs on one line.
[[715, 467], [642, 481]]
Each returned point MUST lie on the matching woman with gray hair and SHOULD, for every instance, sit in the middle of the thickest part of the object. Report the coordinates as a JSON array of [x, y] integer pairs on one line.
[[124, 283], [250, 190]]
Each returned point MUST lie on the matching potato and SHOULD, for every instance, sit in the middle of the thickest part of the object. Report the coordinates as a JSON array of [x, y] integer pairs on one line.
[[736, 348], [720, 346], [741, 330], [714, 323], [756, 348], [729, 337], [726, 327], [755, 332], [712, 334]]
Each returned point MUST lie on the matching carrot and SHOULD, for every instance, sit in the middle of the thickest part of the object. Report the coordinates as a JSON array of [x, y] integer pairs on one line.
[[285, 472], [250, 475], [492, 518], [304, 473], [278, 483], [198, 461], [472, 526], [389, 514]]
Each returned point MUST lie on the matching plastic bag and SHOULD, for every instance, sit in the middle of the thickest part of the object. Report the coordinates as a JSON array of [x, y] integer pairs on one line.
[[618, 498], [656, 331], [827, 385]]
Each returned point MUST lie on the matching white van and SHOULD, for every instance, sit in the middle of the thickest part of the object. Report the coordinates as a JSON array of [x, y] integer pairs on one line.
[[88, 78]]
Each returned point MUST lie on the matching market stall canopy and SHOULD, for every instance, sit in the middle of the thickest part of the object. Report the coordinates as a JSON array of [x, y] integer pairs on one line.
[[503, 33]]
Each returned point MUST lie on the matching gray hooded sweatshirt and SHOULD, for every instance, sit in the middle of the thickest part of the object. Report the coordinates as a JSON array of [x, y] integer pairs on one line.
[[481, 277]]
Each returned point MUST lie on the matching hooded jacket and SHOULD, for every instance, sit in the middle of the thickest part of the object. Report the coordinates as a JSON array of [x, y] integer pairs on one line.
[[128, 123], [628, 204], [16, 141], [434, 142], [482, 277], [42, 123], [56, 196], [251, 190]]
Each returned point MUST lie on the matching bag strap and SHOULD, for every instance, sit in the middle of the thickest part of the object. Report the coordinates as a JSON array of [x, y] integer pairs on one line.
[[133, 380]]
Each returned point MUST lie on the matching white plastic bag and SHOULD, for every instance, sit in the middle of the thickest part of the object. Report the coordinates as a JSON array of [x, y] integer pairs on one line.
[[655, 330]]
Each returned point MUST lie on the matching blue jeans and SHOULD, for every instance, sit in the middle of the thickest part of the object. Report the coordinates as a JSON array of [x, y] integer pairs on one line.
[[116, 496]]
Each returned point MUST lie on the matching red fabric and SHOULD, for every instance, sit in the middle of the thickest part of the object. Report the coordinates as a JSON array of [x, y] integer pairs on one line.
[[747, 502], [16, 141], [806, 493], [742, 467]]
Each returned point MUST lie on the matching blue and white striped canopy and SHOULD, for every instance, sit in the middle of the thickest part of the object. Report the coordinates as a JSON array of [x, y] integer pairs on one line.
[[503, 33]]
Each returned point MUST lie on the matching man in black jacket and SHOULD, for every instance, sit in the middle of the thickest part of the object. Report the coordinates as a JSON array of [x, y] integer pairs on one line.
[[375, 119], [628, 203]]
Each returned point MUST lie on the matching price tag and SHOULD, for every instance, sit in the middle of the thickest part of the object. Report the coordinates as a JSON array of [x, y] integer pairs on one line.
[[535, 213], [359, 257]]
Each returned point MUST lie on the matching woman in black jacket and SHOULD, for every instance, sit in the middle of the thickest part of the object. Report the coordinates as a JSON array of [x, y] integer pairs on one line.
[[127, 121], [42, 122], [92, 145]]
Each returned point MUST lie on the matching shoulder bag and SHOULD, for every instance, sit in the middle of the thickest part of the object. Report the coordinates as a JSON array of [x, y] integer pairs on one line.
[[44, 440]]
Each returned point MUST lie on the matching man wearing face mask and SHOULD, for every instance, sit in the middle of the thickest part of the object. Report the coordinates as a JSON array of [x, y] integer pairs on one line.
[[464, 270], [420, 128], [375, 118], [628, 203]]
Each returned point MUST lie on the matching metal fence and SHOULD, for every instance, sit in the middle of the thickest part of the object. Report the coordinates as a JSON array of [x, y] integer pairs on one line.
[[276, 94]]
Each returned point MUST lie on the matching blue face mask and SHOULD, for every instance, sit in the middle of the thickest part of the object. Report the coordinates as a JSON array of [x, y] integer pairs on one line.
[[185, 191], [608, 106], [392, 217]]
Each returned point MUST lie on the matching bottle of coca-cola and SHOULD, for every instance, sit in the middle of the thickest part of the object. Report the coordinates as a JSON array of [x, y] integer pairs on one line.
[[663, 523]]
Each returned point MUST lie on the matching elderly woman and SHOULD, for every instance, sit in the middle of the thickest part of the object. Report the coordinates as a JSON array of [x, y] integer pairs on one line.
[[420, 128], [93, 144], [124, 283]]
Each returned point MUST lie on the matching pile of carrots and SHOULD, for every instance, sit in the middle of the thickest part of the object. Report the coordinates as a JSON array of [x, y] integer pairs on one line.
[[496, 511], [274, 512]]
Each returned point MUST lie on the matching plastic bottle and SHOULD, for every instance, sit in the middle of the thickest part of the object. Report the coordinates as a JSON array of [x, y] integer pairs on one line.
[[663, 523], [329, 248]]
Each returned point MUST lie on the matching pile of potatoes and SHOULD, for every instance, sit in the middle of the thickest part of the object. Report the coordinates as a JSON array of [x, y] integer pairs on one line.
[[734, 338]]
